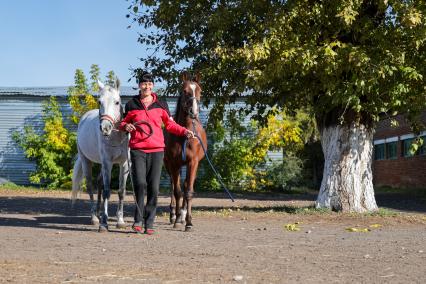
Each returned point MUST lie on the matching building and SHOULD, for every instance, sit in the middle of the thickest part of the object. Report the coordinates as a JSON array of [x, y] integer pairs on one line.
[[394, 165]]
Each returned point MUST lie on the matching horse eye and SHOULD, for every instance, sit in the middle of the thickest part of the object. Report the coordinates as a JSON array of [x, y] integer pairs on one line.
[[117, 103]]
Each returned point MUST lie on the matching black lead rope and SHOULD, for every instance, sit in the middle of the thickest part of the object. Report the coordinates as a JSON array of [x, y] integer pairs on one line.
[[210, 163], [144, 122]]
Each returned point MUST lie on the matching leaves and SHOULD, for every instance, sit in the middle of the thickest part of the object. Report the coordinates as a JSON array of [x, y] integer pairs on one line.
[[358, 230], [292, 227], [363, 230]]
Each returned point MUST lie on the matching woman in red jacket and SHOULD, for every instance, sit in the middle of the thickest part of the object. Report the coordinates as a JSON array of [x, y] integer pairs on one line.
[[143, 118]]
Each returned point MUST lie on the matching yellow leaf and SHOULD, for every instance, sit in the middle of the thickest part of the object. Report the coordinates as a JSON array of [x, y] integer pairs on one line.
[[292, 227], [358, 230], [375, 226]]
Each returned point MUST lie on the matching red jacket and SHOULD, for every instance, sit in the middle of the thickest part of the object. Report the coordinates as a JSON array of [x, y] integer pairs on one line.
[[156, 114]]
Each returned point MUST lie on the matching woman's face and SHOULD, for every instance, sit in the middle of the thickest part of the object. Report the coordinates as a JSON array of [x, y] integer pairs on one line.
[[146, 88]]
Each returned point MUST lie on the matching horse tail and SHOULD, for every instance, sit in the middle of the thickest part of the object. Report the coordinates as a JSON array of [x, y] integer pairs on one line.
[[77, 178]]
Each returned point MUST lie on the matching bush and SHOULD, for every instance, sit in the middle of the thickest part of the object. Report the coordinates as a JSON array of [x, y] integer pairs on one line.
[[53, 149], [240, 153]]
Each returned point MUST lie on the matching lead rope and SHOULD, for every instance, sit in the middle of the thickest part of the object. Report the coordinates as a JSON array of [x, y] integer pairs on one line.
[[208, 160]]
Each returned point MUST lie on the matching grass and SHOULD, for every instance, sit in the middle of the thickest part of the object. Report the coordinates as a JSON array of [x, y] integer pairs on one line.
[[383, 212], [10, 186]]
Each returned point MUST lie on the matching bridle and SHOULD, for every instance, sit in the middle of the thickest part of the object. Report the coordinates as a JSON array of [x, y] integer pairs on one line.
[[188, 103], [188, 106]]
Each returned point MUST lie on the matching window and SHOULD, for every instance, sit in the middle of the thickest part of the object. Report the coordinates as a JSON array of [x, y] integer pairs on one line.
[[406, 146], [379, 151], [422, 150], [391, 150]]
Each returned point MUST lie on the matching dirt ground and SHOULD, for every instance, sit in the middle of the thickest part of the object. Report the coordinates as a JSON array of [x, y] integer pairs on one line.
[[44, 240]]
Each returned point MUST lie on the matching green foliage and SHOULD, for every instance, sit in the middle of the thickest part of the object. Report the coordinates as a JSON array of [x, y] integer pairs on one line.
[[286, 174], [240, 153], [340, 57], [53, 149]]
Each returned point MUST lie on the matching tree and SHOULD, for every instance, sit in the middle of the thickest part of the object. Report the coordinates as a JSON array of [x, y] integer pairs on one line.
[[80, 95], [351, 61]]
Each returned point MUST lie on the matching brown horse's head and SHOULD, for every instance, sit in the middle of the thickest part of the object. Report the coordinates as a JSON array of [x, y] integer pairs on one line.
[[191, 95]]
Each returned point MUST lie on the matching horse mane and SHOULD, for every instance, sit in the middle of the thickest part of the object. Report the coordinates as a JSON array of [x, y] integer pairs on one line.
[[178, 107]]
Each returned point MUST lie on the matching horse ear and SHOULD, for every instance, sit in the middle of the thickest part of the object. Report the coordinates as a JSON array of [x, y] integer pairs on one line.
[[101, 85], [185, 76], [117, 83], [198, 77]]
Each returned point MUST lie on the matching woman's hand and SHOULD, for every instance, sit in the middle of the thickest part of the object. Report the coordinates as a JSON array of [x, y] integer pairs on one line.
[[129, 127], [189, 134]]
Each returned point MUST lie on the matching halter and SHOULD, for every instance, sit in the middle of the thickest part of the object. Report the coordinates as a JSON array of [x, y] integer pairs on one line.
[[112, 120], [190, 110]]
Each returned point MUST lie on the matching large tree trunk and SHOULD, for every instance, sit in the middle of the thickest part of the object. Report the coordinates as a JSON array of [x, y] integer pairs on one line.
[[347, 183]]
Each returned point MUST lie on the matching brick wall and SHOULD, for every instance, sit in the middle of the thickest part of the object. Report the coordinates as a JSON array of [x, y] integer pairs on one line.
[[402, 171]]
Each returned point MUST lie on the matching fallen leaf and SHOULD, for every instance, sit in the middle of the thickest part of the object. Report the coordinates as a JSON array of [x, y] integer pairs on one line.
[[292, 227], [375, 226], [359, 230]]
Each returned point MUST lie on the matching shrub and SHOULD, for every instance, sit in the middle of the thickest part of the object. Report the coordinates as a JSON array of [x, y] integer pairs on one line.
[[53, 149]]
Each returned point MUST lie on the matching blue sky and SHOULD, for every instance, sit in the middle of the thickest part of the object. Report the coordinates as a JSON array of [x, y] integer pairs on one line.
[[44, 41]]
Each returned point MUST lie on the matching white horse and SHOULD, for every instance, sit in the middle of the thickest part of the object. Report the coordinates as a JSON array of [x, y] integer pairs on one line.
[[100, 141]]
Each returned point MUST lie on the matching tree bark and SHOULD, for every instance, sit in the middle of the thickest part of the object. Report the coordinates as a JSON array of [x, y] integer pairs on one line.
[[347, 183]]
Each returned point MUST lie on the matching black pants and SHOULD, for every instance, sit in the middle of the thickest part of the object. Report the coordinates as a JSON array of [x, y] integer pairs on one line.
[[146, 172]]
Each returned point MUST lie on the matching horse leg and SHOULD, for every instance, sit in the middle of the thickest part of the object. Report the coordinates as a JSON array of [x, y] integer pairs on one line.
[[106, 193], [172, 203], [172, 206], [175, 175], [124, 172], [100, 188], [189, 192], [183, 210], [87, 172]]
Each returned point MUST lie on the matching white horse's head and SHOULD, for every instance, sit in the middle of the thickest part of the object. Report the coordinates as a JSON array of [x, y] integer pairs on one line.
[[110, 109]]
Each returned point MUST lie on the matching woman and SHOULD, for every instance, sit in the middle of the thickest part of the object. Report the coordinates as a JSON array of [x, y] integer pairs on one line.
[[143, 118]]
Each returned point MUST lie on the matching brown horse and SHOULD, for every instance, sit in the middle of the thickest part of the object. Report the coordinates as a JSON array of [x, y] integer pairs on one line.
[[187, 115]]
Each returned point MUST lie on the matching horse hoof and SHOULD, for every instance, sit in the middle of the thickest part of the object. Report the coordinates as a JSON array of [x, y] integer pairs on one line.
[[188, 228], [121, 225], [172, 220], [103, 229]]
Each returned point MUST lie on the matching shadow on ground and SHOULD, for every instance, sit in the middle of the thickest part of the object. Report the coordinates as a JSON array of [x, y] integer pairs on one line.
[[65, 215]]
